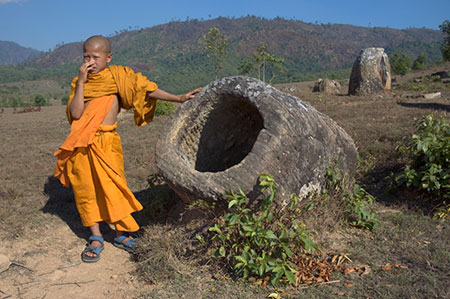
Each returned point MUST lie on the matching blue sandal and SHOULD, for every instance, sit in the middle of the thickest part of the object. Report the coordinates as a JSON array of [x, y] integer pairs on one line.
[[129, 245], [96, 250]]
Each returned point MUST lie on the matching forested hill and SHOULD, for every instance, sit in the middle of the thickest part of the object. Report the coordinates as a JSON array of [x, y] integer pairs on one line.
[[171, 55], [13, 54]]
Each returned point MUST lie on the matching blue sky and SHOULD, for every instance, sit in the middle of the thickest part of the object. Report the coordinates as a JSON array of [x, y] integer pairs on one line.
[[41, 24]]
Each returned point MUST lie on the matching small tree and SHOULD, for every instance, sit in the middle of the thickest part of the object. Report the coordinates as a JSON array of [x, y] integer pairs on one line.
[[445, 48], [261, 60], [39, 100], [400, 64], [420, 62], [215, 44]]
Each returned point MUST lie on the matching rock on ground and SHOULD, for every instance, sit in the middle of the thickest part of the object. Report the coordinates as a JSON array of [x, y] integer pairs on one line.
[[237, 128], [371, 73], [4, 263], [434, 95], [327, 86]]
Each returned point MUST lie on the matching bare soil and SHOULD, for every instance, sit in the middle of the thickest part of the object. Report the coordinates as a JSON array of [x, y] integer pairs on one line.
[[39, 224], [41, 231]]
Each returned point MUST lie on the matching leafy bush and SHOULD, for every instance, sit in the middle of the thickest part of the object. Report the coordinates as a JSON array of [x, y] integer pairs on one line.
[[357, 200], [427, 157], [420, 62], [39, 100], [262, 242], [400, 64], [165, 108]]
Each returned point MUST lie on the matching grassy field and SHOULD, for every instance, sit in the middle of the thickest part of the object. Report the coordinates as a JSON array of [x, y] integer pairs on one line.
[[20, 94], [406, 256]]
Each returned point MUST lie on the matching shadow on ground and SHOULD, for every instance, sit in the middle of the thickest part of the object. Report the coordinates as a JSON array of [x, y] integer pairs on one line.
[[61, 202], [435, 106]]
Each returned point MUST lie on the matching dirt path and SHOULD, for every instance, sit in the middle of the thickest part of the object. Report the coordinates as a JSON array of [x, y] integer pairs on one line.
[[39, 226], [53, 254]]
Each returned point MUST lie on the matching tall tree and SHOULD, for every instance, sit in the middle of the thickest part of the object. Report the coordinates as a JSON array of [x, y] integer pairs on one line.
[[215, 45], [445, 28], [261, 61]]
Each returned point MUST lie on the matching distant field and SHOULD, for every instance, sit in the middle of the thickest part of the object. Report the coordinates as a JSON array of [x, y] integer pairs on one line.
[[18, 94]]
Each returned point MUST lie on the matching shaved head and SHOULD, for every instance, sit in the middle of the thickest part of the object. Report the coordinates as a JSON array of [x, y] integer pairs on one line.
[[98, 41]]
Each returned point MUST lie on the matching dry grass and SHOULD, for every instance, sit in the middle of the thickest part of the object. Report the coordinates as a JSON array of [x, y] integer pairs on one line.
[[377, 125], [406, 236]]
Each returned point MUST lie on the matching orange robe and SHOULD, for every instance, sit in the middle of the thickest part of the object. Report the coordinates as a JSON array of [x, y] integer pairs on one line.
[[91, 157]]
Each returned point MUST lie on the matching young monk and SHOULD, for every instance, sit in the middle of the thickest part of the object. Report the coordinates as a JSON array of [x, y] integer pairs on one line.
[[91, 157]]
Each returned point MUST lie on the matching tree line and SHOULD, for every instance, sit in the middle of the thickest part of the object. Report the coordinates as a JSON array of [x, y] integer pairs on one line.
[[263, 62], [402, 63]]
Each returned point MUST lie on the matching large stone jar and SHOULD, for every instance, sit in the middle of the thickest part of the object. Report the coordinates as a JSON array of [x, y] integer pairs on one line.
[[239, 127]]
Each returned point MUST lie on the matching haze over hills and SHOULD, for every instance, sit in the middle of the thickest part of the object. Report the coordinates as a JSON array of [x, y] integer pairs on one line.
[[170, 53], [12, 54]]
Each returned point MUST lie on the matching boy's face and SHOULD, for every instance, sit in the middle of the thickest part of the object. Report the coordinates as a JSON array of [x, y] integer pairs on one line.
[[97, 57]]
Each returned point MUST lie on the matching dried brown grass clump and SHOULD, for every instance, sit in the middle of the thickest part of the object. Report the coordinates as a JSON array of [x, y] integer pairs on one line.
[[163, 254], [10, 206]]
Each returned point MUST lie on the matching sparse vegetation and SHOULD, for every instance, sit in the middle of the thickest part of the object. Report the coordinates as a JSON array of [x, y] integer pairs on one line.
[[359, 203], [420, 62], [165, 108], [400, 64], [215, 45], [169, 54], [263, 243], [405, 255], [427, 155], [21, 94], [263, 62], [39, 100]]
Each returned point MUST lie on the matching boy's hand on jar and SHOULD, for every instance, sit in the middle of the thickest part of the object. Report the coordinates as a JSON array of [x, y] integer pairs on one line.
[[189, 95]]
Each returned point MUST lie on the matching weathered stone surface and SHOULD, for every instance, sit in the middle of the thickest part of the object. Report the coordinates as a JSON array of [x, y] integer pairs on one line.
[[4, 263], [371, 73], [288, 89], [237, 128], [327, 86]]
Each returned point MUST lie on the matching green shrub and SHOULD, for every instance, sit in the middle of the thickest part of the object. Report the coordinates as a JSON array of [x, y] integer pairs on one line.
[[357, 200], [400, 64], [39, 100], [420, 62], [264, 241], [165, 108], [427, 157]]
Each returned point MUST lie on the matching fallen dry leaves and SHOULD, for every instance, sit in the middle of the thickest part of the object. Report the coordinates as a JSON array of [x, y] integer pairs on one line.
[[311, 269], [392, 266], [361, 270]]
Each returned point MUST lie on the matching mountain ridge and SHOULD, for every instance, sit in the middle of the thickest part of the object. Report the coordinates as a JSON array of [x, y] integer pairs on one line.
[[12, 53], [170, 54]]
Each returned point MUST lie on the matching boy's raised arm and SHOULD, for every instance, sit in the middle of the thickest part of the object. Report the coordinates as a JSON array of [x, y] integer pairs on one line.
[[165, 96], [77, 104]]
